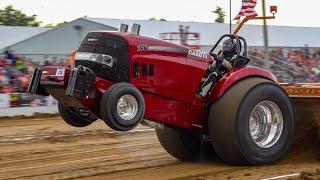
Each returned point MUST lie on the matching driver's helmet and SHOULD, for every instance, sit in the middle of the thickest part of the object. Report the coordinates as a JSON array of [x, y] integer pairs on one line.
[[229, 48]]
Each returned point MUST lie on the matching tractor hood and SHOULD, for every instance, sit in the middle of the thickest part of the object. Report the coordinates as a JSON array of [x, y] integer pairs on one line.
[[98, 47]]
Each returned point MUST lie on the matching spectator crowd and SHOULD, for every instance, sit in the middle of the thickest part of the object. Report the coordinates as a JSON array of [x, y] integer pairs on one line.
[[290, 65], [16, 71]]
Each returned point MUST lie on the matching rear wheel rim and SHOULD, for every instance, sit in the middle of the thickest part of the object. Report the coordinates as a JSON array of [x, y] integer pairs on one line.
[[266, 124], [127, 107]]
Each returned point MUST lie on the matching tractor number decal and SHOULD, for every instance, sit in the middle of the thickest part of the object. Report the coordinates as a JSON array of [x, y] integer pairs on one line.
[[60, 72], [142, 47]]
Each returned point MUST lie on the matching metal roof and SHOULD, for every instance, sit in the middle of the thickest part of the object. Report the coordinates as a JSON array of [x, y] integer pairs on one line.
[[10, 35], [283, 36]]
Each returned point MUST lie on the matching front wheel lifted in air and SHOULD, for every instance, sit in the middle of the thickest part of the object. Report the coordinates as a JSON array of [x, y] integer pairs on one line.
[[122, 107]]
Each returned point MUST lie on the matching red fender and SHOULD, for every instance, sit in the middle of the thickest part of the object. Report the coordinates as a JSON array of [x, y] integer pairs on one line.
[[237, 75]]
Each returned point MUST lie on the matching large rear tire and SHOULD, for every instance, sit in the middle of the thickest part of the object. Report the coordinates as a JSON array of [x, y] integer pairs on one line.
[[75, 118], [184, 145], [252, 124]]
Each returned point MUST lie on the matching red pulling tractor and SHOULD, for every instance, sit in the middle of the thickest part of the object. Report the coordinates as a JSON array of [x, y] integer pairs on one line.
[[198, 102]]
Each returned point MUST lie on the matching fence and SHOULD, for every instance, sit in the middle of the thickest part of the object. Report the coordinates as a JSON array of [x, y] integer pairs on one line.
[[12, 100]]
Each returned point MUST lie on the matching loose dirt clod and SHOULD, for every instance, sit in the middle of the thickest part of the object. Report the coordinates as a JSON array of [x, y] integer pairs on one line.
[[308, 112], [308, 175]]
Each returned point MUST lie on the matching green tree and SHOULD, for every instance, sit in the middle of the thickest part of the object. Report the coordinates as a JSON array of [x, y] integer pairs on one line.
[[155, 19], [49, 25], [12, 17], [152, 19], [220, 15]]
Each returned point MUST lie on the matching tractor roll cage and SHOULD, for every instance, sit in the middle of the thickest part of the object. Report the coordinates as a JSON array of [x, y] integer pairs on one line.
[[238, 42]]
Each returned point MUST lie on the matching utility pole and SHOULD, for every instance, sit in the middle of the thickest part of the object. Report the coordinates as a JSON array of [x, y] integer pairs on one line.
[[266, 38]]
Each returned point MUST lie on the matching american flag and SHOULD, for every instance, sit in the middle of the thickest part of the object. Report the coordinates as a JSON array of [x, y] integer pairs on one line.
[[247, 9]]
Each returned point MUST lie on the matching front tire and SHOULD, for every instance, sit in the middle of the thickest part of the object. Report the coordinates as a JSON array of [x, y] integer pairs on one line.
[[122, 107], [75, 118], [252, 124]]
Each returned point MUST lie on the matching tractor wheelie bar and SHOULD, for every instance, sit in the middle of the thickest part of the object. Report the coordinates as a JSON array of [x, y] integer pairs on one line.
[[193, 99]]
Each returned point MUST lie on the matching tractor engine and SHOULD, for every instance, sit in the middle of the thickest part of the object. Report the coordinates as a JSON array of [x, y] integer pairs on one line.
[[106, 55]]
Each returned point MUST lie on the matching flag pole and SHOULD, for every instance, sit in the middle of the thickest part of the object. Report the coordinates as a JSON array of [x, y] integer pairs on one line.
[[230, 18], [265, 37]]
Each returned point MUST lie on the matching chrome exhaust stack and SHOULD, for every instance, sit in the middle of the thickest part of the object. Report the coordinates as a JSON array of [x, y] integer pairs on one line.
[[135, 29], [124, 28]]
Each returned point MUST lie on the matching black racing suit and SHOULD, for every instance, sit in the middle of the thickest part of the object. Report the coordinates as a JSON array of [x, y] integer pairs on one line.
[[213, 75]]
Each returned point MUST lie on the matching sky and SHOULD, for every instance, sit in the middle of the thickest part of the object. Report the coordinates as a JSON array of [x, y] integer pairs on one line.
[[290, 12]]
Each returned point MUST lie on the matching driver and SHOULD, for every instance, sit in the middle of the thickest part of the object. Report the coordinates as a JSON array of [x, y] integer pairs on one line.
[[224, 63], [229, 51]]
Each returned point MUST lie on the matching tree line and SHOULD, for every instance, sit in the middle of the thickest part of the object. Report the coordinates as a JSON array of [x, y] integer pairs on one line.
[[9, 16], [13, 17], [218, 12]]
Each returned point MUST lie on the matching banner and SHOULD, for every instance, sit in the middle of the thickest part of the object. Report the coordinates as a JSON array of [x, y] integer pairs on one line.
[[4, 101], [26, 99], [14, 99]]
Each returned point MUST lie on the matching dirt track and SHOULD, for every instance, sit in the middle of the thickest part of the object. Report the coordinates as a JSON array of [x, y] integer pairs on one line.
[[49, 149]]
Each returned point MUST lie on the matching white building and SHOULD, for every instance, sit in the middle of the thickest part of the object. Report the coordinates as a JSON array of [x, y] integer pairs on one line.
[[61, 41], [279, 36], [58, 42], [10, 35]]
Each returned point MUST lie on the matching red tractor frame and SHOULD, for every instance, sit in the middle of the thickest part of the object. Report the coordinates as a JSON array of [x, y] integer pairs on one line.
[[127, 79]]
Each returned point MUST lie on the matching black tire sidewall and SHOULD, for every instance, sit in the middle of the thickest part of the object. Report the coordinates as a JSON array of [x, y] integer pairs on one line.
[[180, 143], [74, 118], [112, 118], [252, 152]]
